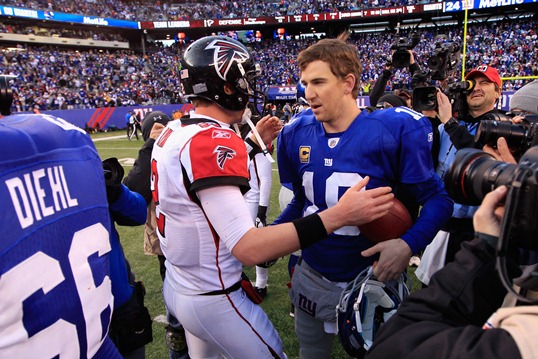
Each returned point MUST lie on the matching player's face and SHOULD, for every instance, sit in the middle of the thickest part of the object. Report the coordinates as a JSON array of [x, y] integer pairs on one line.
[[324, 91], [483, 97]]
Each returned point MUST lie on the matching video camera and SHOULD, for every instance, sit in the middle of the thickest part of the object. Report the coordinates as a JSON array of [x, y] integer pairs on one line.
[[444, 60], [519, 136], [475, 173], [425, 97], [401, 57]]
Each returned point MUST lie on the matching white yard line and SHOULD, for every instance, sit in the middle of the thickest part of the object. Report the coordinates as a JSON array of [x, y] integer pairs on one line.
[[108, 138]]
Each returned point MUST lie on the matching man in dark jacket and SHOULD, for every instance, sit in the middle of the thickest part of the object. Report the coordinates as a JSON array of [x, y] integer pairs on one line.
[[138, 180], [459, 314]]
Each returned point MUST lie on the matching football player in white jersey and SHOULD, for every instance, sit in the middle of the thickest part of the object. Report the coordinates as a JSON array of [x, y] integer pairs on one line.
[[199, 173]]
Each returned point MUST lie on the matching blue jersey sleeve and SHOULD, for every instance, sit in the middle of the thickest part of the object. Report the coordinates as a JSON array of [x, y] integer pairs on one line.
[[130, 209], [436, 210]]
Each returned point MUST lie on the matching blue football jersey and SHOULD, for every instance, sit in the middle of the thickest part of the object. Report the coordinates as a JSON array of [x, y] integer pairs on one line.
[[391, 146], [55, 286]]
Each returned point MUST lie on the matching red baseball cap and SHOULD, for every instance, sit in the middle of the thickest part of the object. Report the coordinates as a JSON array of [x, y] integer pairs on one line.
[[490, 72]]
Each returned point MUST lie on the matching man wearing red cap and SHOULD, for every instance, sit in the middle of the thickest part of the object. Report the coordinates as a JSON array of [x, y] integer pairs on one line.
[[454, 135]]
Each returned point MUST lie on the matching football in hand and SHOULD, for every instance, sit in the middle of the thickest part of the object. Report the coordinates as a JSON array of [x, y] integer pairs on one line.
[[392, 225]]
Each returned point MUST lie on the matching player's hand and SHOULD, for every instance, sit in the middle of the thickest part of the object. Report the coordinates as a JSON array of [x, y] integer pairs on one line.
[[502, 153], [359, 205], [394, 256], [156, 130], [487, 218], [268, 128], [261, 217]]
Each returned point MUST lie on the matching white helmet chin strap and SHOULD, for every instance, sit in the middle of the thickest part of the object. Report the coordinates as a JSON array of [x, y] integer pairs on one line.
[[265, 151]]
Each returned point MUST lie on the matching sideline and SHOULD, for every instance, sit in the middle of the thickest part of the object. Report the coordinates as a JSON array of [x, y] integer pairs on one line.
[[107, 138]]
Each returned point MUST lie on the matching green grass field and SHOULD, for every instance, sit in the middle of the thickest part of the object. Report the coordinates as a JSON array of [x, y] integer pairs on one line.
[[146, 268]]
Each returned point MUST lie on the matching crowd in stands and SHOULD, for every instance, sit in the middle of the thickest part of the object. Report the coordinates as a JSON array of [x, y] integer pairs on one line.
[[49, 30], [146, 10], [50, 78], [58, 78]]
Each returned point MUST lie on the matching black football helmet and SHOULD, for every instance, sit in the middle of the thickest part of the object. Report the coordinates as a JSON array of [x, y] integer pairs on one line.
[[365, 304], [213, 61]]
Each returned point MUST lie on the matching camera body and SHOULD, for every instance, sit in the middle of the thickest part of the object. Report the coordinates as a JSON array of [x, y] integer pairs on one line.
[[475, 173], [519, 136], [425, 97], [445, 58], [401, 57]]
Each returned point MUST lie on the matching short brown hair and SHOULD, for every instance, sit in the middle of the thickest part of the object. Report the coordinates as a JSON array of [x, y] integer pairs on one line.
[[342, 57]]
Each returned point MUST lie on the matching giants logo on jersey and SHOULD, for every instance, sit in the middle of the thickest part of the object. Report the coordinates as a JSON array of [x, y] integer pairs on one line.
[[223, 153], [225, 54]]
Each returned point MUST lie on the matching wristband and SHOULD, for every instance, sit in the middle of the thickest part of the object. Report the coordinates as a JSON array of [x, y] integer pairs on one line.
[[488, 238], [451, 122], [310, 229]]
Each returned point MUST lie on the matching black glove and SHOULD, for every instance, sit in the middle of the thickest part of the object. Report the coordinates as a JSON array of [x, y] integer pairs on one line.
[[113, 172], [261, 217]]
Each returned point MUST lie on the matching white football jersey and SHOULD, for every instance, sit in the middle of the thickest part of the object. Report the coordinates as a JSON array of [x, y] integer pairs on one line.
[[190, 155]]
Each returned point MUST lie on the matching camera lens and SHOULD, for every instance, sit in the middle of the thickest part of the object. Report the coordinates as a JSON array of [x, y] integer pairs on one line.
[[435, 62], [475, 173], [490, 130]]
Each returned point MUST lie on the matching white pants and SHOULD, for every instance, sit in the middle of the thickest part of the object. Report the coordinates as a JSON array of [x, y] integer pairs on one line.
[[224, 326]]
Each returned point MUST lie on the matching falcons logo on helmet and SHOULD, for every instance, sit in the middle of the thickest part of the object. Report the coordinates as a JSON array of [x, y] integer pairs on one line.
[[225, 54], [223, 153]]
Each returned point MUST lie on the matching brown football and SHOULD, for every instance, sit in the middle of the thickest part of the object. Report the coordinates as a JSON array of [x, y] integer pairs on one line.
[[392, 225]]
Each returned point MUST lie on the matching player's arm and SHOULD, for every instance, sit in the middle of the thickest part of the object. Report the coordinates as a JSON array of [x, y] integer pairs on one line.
[[264, 171], [268, 128], [129, 209], [288, 175], [395, 253], [294, 209], [229, 215]]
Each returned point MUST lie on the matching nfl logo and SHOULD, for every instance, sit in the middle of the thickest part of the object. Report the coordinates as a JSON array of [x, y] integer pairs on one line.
[[333, 142]]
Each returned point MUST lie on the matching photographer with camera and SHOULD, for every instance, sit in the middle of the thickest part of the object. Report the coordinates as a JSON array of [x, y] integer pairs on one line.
[[402, 57], [523, 105], [484, 305], [460, 313], [454, 135], [481, 100]]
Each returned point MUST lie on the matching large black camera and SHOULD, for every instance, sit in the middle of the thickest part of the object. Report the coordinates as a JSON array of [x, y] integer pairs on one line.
[[446, 56], [425, 97], [445, 59], [475, 173], [401, 57], [519, 136]]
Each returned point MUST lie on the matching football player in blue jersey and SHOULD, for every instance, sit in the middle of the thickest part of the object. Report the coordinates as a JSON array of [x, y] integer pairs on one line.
[[325, 153], [55, 249]]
